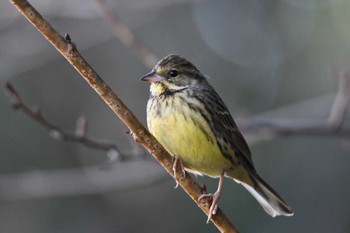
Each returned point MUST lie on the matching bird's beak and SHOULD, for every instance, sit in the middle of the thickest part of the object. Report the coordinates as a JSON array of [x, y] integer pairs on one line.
[[152, 77]]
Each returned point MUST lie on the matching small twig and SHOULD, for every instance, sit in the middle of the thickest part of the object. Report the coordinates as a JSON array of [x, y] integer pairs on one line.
[[79, 136], [127, 37]]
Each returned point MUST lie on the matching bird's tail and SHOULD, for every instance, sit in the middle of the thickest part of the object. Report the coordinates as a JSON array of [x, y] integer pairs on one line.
[[272, 203]]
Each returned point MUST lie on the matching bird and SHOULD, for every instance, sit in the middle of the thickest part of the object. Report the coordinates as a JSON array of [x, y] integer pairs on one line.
[[188, 117]]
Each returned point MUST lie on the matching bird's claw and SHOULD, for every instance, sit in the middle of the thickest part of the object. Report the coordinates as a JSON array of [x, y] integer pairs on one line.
[[176, 162], [215, 197]]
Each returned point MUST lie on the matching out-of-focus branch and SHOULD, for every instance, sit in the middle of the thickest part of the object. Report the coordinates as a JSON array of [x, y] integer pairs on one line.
[[54, 131], [270, 128], [70, 182], [127, 37], [68, 50]]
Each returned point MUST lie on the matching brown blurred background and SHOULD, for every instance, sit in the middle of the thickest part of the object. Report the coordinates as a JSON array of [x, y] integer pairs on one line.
[[273, 60]]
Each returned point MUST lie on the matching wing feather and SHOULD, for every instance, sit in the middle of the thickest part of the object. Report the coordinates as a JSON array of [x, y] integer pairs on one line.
[[224, 126]]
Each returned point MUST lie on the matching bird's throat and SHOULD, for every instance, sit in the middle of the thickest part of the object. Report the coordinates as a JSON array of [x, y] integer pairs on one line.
[[158, 89]]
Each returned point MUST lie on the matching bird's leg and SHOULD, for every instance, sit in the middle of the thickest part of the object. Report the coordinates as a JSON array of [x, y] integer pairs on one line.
[[215, 197], [175, 163]]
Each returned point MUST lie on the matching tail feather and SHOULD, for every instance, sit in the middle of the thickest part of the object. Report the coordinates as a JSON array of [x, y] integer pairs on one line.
[[272, 203]]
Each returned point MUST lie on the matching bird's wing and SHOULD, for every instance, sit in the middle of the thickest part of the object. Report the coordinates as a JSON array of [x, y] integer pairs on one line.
[[226, 128]]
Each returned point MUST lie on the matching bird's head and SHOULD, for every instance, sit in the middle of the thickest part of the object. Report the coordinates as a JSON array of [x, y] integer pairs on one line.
[[172, 73]]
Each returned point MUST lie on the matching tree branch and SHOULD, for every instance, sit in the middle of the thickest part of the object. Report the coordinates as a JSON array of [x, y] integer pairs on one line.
[[78, 181], [54, 131], [68, 49], [328, 127]]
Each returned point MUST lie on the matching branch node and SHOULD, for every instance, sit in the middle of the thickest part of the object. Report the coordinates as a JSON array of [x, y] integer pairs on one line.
[[67, 38], [56, 134], [71, 46], [81, 127], [114, 155]]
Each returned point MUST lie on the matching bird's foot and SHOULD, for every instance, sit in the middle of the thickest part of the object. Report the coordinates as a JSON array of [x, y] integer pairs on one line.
[[177, 162], [215, 197]]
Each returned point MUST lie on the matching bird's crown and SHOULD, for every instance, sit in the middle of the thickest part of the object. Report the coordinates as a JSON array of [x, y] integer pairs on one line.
[[173, 61]]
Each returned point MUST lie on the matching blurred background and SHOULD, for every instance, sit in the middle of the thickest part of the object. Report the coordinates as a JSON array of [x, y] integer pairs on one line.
[[271, 61]]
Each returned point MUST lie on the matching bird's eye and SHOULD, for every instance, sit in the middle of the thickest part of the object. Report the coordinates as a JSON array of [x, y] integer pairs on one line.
[[173, 73]]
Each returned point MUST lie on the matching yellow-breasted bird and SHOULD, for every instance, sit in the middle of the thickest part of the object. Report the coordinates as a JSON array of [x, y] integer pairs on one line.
[[188, 117]]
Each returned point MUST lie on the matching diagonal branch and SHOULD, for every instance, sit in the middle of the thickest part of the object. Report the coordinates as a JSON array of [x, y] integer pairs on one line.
[[140, 133]]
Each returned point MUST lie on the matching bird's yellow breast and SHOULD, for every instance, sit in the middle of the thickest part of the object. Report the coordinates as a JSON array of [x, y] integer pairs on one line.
[[186, 135]]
